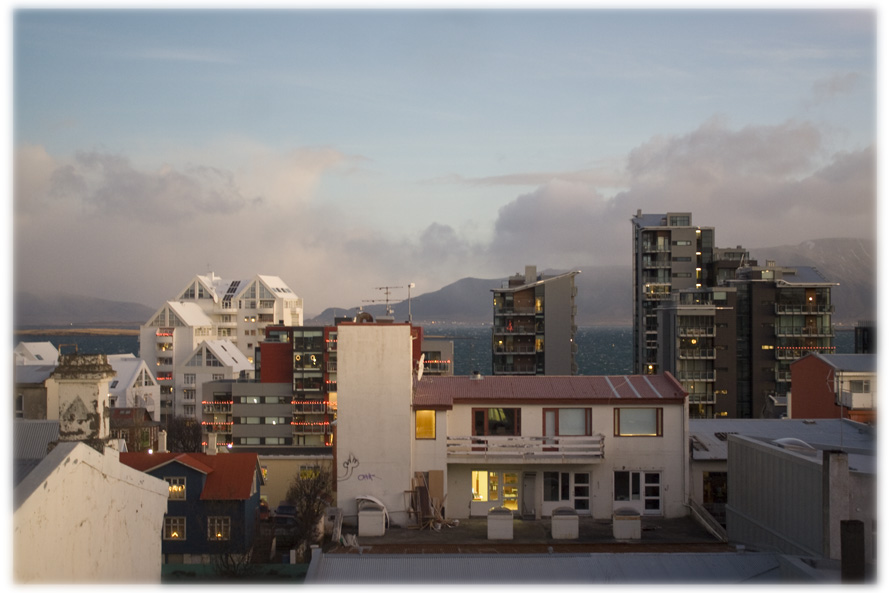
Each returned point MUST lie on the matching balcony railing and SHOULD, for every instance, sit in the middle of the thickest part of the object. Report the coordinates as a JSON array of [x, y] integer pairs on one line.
[[696, 332], [225, 427], [857, 401], [514, 310], [312, 407], [217, 407], [695, 375], [514, 330], [697, 353], [311, 427], [819, 332], [527, 349], [529, 449], [514, 369], [803, 309]]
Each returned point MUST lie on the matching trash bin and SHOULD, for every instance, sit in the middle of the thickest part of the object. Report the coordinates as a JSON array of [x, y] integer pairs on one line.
[[626, 524], [371, 519], [500, 523], [564, 523]]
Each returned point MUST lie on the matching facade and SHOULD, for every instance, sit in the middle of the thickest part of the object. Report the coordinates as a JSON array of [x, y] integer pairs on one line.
[[30, 391], [530, 444], [135, 427], [697, 338], [794, 499], [534, 325], [834, 386], [212, 360], [438, 356], [82, 517], [783, 313], [213, 308], [670, 254], [212, 504], [77, 396], [135, 385]]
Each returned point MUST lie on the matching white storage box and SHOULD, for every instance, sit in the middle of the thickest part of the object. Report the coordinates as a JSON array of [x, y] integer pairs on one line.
[[564, 523], [500, 523], [626, 524], [371, 519]]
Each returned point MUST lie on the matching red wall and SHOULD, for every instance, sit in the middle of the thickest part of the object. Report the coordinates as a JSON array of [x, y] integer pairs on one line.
[[812, 390], [277, 362]]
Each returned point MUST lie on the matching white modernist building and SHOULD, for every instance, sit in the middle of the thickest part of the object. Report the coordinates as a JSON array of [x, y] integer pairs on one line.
[[31, 353], [529, 444], [213, 308], [135, 385]]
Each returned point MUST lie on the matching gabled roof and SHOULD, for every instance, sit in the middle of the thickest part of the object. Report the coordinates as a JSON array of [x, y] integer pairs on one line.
[[445, 391], [853, 363], [225, 352], [124, 417], [33, 374], [41, 353], [230, 476], [127, 367]]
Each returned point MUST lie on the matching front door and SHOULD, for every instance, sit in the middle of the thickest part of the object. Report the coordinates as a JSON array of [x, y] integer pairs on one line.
[[528, 495], [638, 490]]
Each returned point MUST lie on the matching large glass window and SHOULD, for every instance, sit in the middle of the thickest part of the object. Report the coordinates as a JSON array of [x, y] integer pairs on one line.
[[496, 421], [176, 488], [219, 528], [567, 422], [638, 422], [174, 528], [425, 424], [485, 486]]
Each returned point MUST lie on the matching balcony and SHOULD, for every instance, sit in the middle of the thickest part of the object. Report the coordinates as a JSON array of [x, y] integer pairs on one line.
[[697, 353], [516, 349], [857, 401], [217, 407], [312, 407], [223, 427], [812, 332], [696, 332], [804, 309], [515, 330], [695, 376], [514, 311], [529, 450], [514, 369], [310, 427]]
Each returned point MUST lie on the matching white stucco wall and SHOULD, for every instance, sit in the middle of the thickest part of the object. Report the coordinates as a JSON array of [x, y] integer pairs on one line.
[[87, 518], [375, 423]]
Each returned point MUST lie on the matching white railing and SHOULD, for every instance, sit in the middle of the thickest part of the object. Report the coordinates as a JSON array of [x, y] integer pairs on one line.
[[857, 401], [525, 447]]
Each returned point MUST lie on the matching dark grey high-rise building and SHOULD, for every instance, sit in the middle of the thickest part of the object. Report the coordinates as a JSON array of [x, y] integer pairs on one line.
[[670, 254]]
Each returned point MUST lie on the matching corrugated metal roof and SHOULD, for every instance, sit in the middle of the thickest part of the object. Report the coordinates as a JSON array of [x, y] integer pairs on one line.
[[854, 363], [709, 436], [445, 390], [550, 569], [31, 437], [33, 374]]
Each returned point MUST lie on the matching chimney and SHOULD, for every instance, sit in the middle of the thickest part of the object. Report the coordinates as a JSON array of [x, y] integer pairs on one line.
[[211, 443], [531, 274], [162, 441]]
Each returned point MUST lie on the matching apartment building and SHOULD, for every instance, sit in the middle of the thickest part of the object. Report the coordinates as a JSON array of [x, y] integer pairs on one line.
[[834, 386], [529, 444], [783, 313], [135, 385], [697, 345], [212, 308], [533, 332], [669, 254]]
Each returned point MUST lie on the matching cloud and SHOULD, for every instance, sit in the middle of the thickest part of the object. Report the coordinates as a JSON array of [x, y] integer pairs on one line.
[[836, 85]]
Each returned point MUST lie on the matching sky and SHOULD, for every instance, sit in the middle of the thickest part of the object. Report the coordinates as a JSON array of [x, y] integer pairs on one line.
[[348, 150]]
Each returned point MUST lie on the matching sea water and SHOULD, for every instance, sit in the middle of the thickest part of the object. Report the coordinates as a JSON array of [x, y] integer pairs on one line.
[[601, 350]]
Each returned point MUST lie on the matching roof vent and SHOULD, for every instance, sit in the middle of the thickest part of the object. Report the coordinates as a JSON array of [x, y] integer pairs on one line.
[[477, 376]]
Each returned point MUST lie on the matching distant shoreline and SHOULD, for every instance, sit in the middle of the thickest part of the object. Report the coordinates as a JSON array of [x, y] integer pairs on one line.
[[79, 331]]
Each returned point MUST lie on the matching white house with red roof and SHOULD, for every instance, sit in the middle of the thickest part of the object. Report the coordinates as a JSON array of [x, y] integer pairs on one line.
[[531, 444]]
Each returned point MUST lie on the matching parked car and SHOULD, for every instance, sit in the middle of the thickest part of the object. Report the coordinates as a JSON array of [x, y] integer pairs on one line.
[[284, 529], [285, 510]]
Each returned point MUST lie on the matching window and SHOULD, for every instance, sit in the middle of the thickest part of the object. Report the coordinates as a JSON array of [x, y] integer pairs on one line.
[[20, 406], [860, 386], [637, 422], [188, 378], [485, 486], [572, 488], [176, 488], [425, 424], [644, 487], [567, 422], [496, 421], [174, 528], [219, 528]]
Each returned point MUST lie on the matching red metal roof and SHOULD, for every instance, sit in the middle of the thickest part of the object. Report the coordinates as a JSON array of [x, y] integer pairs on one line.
[[230, 476], [433, 391]]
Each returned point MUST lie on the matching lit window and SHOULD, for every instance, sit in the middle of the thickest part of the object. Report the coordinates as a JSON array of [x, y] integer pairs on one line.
[[425, 424], [219, 528], [176, 488], [174, 528], [496, 421], [638, 422], [485, 486]]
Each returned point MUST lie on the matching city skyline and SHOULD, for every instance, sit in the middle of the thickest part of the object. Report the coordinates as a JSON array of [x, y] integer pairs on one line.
[[346, 150]]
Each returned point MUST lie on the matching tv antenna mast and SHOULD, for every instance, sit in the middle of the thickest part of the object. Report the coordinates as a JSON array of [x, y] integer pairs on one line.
[[386, 291]]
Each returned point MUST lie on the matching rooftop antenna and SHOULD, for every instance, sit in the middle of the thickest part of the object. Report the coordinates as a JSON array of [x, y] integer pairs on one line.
[[387, 292]]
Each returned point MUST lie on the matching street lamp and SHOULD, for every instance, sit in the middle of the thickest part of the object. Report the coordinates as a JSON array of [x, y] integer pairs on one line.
[[410, 286]]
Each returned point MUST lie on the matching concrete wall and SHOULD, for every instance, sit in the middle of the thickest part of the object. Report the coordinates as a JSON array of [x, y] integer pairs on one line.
[[280, 470], [84, 517], [375, 422]]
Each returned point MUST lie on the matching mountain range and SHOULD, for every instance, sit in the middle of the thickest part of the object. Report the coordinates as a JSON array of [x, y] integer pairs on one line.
[[605, 293]]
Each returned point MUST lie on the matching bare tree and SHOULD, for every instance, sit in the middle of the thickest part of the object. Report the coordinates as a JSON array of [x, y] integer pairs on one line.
[[184, 435], [310, 493]]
